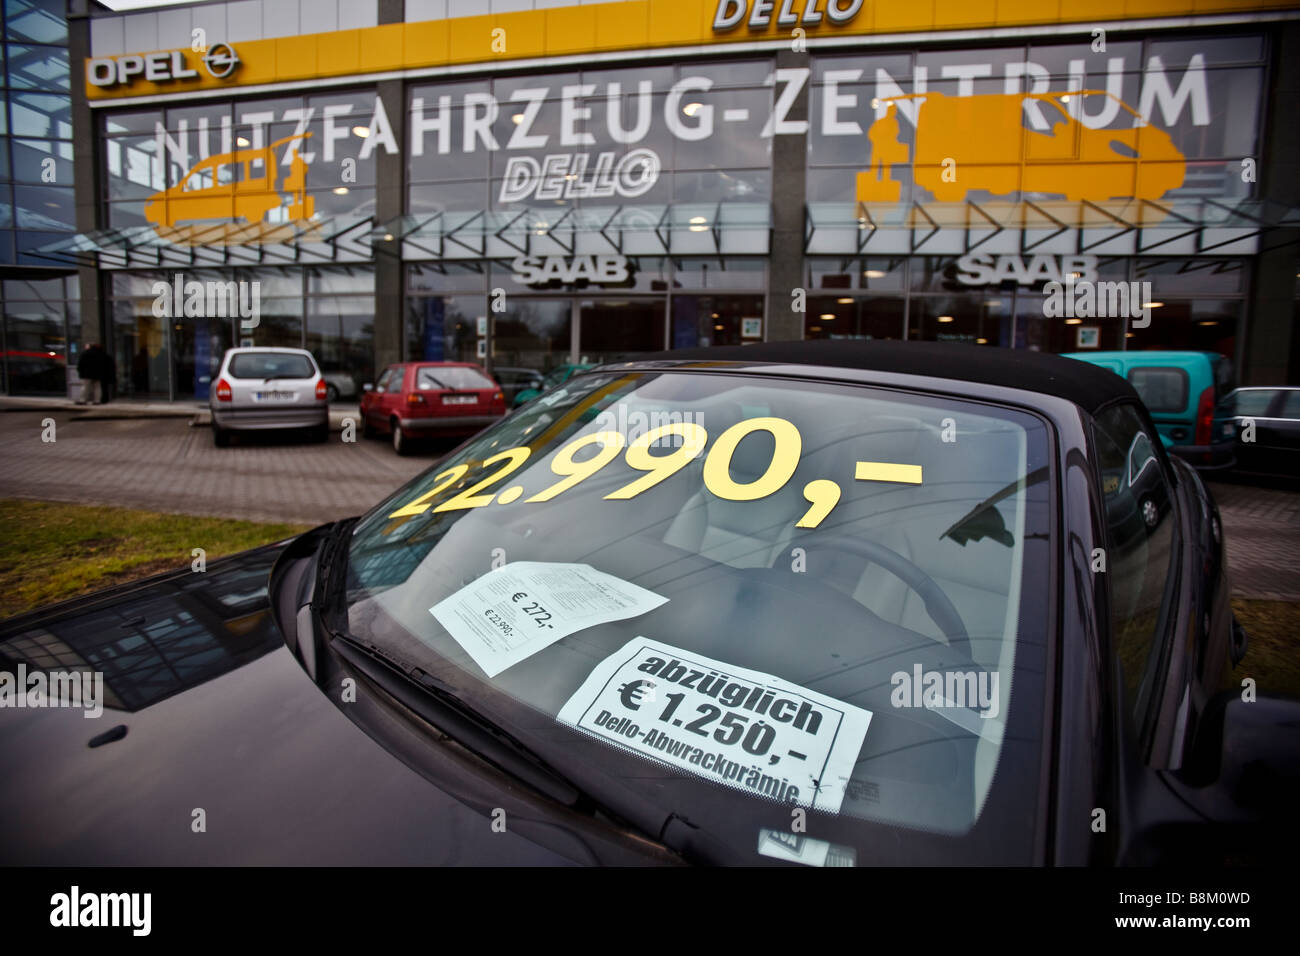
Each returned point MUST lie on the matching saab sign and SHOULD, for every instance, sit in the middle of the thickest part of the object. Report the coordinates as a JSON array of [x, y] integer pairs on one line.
[[219, 61], [760, 14], [992, 270], [570, 270]]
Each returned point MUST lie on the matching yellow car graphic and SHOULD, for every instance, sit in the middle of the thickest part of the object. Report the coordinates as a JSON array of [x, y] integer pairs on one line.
[[965, 144], [241, 185]]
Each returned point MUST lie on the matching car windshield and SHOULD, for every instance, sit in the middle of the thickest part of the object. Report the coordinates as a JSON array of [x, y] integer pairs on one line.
[[731, 597], [271, 365], [555, 376], [450, 376]]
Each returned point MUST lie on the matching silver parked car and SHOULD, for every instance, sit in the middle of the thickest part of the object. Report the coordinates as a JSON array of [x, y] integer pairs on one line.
[[263, 388]]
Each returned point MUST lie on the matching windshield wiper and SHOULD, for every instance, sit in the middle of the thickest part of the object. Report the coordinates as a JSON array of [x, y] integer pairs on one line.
[[444, 709], [438, 704]]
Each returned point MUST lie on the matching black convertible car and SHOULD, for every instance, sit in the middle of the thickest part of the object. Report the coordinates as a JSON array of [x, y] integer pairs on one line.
[[824, 603]]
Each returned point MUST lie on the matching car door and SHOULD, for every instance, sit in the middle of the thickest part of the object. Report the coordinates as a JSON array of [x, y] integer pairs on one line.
[[1278, 433], [391, 399], [372, 407], [1169, 630], [1140, 569], [1248, 411]]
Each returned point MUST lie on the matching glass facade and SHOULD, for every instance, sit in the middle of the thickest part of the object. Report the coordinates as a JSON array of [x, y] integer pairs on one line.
[[42, 326], [667, 302], [1195, 304], [42, 321], [502, 195], [327, 309], [36, 189], [1159, 119]]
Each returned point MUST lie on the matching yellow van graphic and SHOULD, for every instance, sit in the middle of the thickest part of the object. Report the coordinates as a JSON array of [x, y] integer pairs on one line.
[[242, 186], [965, 144]]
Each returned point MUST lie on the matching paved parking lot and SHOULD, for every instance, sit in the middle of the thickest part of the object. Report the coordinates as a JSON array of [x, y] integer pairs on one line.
[[165, 464], [168, 464], [1262, 527]]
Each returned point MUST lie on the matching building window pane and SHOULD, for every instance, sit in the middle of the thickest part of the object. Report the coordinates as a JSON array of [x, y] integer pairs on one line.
[[691, 274], [975, 319], [280, 323], [36, 347], [37, 67], [531, 334], [38, 21], [868, 274], [41, 116], [341, 334], [1200, 325], [44, 207], [846, 317], [446, 277], [30, 157], [700, 321], [443, 328], [616, 330]]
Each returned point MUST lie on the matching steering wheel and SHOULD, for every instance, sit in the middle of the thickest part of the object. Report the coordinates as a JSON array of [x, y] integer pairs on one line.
[[937, 604]]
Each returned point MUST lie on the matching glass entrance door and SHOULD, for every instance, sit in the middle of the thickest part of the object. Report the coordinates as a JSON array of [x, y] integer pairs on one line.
[[532, 334], [618, 330], [140, 350]]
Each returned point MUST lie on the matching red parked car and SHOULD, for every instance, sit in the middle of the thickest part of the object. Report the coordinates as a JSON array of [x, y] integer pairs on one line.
[[415, 400]]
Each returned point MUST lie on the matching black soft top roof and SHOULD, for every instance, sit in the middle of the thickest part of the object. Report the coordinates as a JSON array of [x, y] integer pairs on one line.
[[1088, 386]]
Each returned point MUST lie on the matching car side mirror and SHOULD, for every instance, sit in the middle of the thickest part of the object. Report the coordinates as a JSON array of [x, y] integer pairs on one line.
[[368, 387]]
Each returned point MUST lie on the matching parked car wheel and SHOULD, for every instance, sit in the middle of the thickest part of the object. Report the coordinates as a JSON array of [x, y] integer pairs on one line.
[[321, 434], [401, 444], [220, 437], [331, 392]]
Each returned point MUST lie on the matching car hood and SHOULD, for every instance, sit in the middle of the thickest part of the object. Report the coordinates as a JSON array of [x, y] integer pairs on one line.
[[231, 754]]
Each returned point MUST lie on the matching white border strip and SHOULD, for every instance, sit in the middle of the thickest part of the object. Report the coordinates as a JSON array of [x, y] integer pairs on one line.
[[711, 49]]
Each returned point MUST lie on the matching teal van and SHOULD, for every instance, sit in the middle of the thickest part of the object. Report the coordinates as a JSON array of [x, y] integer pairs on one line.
[[1180, 390]]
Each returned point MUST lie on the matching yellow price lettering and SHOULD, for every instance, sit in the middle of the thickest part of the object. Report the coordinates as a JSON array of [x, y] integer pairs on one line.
[[785, 459], [421, 504], [824, 495], [660, 467], [575, 471], [470, 497]]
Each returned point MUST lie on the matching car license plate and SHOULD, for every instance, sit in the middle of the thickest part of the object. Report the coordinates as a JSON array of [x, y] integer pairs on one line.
[[275, 396], [459, 399]]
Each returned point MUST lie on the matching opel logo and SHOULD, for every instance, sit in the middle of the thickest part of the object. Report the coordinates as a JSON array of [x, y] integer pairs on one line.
[[221, 60]]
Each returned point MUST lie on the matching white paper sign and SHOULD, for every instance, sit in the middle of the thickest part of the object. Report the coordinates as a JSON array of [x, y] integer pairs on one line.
[[742, 728], [514, 611]]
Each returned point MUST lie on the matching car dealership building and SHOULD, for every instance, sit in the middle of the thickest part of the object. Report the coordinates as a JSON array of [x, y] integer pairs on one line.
[[535, 182]]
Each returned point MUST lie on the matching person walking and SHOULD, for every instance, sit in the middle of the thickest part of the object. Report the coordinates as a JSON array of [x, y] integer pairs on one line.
[[91, 369]]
